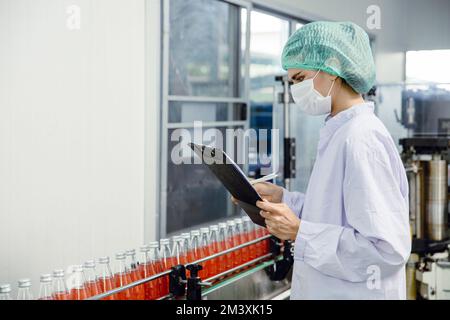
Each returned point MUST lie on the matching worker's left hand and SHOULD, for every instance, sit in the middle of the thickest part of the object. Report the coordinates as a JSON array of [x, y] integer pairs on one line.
[[281, 221]]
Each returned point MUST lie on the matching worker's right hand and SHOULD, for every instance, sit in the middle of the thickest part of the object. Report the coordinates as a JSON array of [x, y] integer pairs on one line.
[[269, 191]]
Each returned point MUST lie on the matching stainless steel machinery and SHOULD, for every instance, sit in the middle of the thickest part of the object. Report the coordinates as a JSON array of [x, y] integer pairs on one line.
[[426, 115]]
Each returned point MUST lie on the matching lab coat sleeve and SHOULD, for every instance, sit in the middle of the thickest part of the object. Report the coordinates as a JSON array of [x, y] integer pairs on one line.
[[294, 201], [376, 235]]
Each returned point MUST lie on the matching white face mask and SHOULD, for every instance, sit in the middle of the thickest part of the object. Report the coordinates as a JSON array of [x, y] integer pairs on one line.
[[309, 100]]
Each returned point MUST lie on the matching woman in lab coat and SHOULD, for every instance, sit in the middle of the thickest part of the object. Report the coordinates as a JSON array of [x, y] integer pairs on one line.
[[351, 228]]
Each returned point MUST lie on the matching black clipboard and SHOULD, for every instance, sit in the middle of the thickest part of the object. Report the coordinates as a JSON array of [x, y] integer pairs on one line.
[[233, 178]]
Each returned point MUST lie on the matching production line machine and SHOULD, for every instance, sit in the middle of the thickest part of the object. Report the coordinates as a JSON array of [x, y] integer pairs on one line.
[[426, 156]]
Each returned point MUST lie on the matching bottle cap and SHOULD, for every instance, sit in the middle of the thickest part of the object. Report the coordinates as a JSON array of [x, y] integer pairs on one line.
[[164, 241], [195, 233], [230, 223], [103, 259], [144, 248], [154, 244], [214, 227], [186, 235], [238, 220], [5, 288], [46, 277], [77, 268], [222, 225], [204, 230], [89, 264], [58, 273], [130, 252], [120, 255], [24, 283]]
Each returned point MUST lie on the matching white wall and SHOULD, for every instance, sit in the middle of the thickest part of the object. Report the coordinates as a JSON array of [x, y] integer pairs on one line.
[[72, 132]]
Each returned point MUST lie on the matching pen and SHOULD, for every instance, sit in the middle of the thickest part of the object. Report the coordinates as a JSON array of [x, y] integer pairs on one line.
[[265, 178]]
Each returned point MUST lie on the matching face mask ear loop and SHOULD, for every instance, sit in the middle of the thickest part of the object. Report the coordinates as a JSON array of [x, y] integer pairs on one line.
[[316, 75], [329, 91]]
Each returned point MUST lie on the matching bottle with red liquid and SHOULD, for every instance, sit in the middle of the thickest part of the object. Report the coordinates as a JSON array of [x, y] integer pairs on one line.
[[60, 291], [190, 257], [225, 244], [258, 231], [240, 239], [166, 260], [146, 269], [45, 289], [233, 242], [216, 247], [178, 253], [78, 292], [5, 292], [105, 277], [195, 244], [158, 266], [24, 291], [205, 250], [92, 282], [183, 259], [247, 229], [138, 292], [122, 277]]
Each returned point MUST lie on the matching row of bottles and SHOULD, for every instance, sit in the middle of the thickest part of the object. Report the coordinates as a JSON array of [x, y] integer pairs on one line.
[[91, 278]]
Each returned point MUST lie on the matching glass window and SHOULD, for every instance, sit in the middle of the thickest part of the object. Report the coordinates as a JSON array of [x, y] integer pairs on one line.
[[204, 49], [268, 37], [186, 111], [194, 195], [428, 66]]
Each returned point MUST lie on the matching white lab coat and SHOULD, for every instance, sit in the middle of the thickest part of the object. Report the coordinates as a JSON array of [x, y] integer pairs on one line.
[[354, 236]]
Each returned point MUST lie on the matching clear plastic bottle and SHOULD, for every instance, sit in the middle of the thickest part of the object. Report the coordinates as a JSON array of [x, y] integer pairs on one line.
[[60, 291], [105, 277], [158, 265], [223, 240], [24, 291], [137, 292], [122, 277], [45, 289], [205, 251], [78, 292], [93, 287], [232, 239], [5, 292], [216, 247]]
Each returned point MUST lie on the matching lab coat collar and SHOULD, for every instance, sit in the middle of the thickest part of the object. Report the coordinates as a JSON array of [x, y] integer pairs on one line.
[[333, 123]]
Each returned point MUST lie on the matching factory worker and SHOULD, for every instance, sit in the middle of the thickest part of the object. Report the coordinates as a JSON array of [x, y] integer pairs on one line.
[[351, 229]]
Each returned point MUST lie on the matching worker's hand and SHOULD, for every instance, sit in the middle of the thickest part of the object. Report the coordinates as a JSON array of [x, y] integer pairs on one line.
[[268, 191], [281, 221]]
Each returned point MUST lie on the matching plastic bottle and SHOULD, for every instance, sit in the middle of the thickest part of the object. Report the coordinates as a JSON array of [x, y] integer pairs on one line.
[[78, 292], [5, 292], [93, 287], [60, 291], [137, 292], [122, 277], [156, 261], [146, 269], [225, 245], [45, 289], [105, 277]]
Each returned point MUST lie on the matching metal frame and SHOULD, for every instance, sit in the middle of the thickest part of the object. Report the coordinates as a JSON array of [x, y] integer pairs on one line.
[[167, 98]]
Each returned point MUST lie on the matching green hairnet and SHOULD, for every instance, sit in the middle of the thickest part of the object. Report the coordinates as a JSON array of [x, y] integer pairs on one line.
[[339, 48]]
